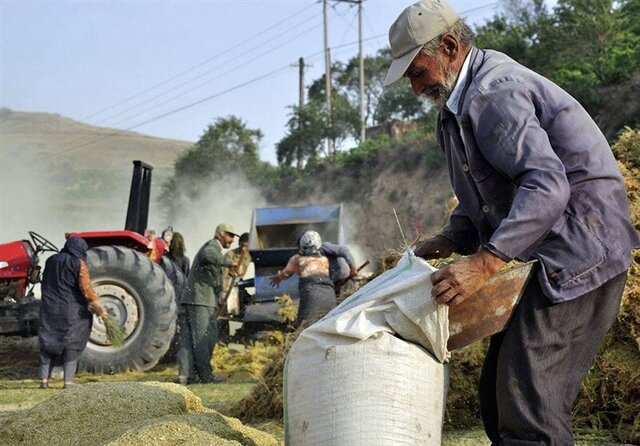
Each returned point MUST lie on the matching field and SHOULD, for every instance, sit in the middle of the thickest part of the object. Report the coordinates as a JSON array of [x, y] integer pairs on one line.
[[22, 392]]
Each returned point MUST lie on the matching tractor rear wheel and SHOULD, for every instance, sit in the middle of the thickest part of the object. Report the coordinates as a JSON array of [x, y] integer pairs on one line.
[[139, 296], [178, 280]]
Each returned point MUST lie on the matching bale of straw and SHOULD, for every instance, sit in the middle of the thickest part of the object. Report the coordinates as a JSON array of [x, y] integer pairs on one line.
[[125, 413]]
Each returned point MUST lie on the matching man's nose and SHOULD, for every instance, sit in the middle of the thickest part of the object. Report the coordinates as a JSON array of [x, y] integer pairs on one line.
[[416, 86]]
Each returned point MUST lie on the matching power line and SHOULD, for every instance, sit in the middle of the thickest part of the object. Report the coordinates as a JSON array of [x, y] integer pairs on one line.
[[119, 132], [241, 65], [198, 65], [235, 58]]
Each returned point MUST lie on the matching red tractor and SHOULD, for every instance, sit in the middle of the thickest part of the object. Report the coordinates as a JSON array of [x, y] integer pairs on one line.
[[137, 292]]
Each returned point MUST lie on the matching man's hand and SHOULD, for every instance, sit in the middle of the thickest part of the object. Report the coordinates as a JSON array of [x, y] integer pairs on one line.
[[456, 282], [276, 279], [98, 310], [353, 273], [437, 247]]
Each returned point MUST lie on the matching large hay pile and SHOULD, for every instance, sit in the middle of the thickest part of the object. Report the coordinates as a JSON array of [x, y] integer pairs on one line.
[[126, 413], [610, 396], [266, 398]]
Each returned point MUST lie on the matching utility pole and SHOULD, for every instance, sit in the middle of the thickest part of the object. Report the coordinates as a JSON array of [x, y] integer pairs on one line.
[[301, 83], [361, 65], [301, 66], [363, 124], [327, 71]]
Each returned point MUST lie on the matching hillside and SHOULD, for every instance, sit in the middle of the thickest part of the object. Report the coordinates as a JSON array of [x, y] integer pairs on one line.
[[59, 175], [55, 139]]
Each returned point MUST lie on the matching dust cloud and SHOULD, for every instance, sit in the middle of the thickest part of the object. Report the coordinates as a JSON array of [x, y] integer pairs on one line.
[[53, 199], [223, 200]]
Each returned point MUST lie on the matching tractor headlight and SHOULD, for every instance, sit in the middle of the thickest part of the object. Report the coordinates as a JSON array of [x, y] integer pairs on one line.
[[3, 265]]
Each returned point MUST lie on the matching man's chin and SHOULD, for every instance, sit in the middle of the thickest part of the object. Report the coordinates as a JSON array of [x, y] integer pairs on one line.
[[438, 102]]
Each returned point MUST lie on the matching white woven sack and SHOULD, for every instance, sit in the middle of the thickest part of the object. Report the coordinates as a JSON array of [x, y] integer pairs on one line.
[[351, 379]]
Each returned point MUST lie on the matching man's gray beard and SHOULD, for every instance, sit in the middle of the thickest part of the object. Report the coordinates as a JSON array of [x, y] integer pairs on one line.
[[439, 94]]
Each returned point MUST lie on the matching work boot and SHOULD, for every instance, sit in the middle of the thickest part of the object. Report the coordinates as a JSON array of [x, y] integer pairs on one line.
[[182, 380], [213, 380], [44, 385]]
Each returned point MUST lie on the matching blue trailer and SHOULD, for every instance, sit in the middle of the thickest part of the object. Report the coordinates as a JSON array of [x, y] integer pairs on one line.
[[272, 242]]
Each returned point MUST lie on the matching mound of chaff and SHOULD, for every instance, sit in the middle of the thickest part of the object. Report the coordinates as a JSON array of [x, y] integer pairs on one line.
[[19, 357], [248, 361], [126, 413], [610, 396], [266, 398]]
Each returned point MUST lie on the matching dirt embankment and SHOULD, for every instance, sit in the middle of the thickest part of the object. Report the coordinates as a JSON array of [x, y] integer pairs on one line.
[[408, 176]]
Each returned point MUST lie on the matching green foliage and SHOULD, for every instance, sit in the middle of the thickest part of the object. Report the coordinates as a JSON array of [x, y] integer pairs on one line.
[[304, 138], [225, 144], [583, 45]]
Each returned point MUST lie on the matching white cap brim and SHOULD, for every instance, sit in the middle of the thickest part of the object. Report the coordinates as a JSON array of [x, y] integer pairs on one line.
[[399, 67]]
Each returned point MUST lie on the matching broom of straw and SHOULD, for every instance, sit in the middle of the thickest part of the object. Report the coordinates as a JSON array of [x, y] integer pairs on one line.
[[114, 332]]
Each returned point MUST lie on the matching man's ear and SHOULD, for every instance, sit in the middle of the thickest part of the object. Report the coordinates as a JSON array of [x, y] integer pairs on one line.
[[450, 46]]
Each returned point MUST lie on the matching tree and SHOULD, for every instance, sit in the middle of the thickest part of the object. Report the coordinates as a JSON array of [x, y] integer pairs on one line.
[[305, 131], [583, 45], [226, 143], [382, 104]]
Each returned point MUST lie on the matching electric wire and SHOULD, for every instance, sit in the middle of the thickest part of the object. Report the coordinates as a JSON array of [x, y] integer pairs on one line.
[[119, 132], [155, 118], [231, 70], [217, 68], [350, 26], [260, 33]]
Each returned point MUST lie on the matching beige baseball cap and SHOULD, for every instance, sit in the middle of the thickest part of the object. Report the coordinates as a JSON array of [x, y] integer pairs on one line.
[[416, 25], [226, 227]]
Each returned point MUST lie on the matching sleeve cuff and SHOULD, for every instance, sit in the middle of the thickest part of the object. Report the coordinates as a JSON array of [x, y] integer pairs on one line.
[[493, 250]]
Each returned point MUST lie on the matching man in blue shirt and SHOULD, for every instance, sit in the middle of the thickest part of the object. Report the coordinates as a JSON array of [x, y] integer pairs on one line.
[[535, 179], [342, 266]]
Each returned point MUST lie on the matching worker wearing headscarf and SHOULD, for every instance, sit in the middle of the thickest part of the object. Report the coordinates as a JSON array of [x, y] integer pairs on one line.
[[65, 311], [317, 294]]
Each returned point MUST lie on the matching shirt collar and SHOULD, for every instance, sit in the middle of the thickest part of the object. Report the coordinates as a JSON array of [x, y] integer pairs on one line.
[[454, 98]]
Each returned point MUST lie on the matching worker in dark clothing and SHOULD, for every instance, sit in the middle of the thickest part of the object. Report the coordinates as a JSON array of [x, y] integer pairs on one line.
[[200, 301], [315, 288], [342, 266], [68, 301], [176, 253]]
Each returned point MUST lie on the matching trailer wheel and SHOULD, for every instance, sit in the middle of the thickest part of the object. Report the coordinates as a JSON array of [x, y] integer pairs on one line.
[[136, 293], [178, 280]]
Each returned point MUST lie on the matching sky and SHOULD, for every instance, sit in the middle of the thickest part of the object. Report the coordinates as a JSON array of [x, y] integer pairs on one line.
[[170, 68]]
